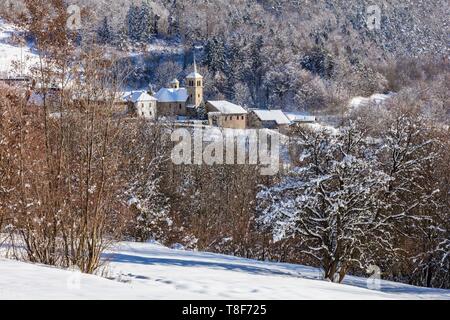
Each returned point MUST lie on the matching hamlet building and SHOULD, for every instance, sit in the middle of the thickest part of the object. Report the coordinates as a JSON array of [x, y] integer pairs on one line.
[[226, 114], [141, 104], [269, 119]]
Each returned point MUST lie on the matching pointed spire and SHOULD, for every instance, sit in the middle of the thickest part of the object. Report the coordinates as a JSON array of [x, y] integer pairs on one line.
[[195, 64], [194, 74]]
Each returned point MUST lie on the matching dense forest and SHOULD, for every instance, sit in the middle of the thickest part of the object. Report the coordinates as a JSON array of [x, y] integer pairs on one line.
[[295, 55]]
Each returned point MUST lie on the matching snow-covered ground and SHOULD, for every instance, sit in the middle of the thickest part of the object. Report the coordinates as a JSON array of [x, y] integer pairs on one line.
[[14, 59], [151, 271]]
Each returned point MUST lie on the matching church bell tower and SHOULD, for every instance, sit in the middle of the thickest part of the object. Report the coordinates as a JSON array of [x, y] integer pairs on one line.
[[194, 86]]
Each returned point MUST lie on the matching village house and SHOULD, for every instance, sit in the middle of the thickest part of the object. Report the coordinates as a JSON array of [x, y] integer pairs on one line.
[[277, 119], [269, 119], [226, 114], [141, 104]]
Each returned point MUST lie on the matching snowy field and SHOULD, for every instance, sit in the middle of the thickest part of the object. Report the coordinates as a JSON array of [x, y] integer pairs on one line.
[[12, 55], [151, 271]]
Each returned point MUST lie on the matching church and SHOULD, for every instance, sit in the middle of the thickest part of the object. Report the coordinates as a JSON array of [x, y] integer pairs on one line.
[[176, 101]]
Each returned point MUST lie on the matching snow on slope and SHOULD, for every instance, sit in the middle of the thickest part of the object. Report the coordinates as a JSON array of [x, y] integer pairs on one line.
[[19, 280], [151, 271], [10, 54]]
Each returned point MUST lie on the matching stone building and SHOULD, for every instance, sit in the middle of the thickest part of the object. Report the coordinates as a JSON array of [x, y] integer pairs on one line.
[[226, 114], [176, 101], [270, 119], [172, 101]]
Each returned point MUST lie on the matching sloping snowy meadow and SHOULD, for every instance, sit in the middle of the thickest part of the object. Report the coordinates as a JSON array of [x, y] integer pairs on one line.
[[151, 271]]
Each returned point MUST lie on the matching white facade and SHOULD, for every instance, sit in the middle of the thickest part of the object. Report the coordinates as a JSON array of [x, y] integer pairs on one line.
[[145, 109], [142, 105]]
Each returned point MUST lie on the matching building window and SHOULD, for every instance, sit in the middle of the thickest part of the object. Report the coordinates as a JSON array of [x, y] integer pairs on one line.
[[226, 118], [242, 118], [180, 106]]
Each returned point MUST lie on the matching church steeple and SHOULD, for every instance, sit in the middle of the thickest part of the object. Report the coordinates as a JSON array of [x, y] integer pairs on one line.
[[194, 85], [195, 65]]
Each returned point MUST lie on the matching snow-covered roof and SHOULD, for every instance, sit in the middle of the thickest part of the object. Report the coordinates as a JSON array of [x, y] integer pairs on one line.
[[299, 117], [377, 98], [359, 101], [172, 95], [226, 107], [137, 96], [174, 81], [272, 115], [194, 75]]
